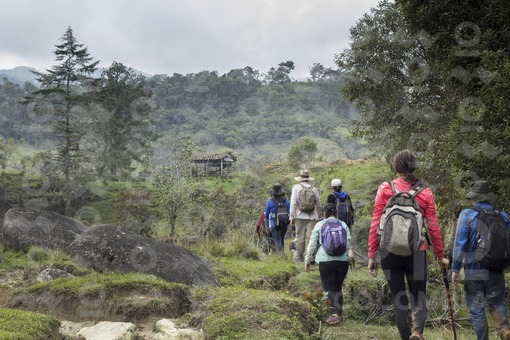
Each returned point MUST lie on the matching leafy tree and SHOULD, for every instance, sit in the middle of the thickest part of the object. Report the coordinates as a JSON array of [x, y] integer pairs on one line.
[[380, 80], [318, 72], [169, 189], [8, 148], [424, 77], [12, 120], [396, 90], [281, 74], [65, 94], [469, 52], [302, 154], [122, 124]]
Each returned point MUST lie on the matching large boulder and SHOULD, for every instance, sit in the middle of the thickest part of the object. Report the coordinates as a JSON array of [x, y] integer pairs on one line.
[[23, 228], [109, 248]]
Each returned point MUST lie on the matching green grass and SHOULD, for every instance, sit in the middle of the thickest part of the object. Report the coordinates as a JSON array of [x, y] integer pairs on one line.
[[240, 313], [22, 325], [260, 296], [273, 272], [94, 283], [351, 329], [359, 179], [11, 260]]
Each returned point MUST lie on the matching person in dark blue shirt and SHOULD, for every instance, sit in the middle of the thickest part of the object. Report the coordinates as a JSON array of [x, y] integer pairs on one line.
[[338, 194], [277, 231], [483, 288]]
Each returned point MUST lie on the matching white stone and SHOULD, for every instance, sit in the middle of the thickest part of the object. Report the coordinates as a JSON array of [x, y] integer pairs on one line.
[[108, 331], [168, 331]]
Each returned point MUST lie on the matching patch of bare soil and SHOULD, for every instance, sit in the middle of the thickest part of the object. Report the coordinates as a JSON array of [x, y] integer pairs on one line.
[[8, 281]]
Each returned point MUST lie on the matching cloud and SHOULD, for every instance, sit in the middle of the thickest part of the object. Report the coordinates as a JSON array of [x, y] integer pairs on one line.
[[171, 36]]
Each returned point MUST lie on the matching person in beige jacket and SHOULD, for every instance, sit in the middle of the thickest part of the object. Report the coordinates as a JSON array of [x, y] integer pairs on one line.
[[303, 221]]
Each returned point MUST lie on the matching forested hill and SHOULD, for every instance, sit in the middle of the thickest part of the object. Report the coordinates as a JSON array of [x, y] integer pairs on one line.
[[239, 110]]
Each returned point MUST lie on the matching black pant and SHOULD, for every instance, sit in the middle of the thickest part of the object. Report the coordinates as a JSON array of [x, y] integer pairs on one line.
[[398, 270], [332, 278]]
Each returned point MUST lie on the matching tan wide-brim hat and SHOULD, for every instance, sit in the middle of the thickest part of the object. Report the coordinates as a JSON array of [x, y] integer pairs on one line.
[[480, 192], [303, 176]]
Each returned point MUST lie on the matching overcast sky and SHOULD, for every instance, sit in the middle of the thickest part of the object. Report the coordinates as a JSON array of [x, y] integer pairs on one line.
[[181, 36]]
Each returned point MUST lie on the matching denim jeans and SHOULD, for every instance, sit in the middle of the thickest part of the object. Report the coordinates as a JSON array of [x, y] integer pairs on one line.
[[278, 236], [490, 294]]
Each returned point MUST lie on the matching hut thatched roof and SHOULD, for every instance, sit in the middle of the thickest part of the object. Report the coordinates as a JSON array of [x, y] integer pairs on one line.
[[218, 156]]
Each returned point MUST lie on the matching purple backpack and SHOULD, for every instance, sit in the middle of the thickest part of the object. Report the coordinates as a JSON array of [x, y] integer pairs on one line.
[[334, 237]]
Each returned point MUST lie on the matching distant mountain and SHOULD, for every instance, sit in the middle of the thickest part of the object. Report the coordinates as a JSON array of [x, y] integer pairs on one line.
[[19, 75], [22, 74]]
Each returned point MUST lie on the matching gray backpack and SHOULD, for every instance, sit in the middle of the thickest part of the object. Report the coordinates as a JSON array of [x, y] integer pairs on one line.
[[307, 199], [401, 224]]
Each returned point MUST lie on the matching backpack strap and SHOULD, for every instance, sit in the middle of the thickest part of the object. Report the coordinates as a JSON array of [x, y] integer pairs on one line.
[[416, 191], [413, 192], [478, 209], [393, 187], [304, 187], [485, 211]]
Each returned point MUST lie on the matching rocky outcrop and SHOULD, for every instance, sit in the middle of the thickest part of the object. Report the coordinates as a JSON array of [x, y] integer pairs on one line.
[[108, 331], [108, 248], [113, 302], [49, 274], [23, 228], [164, 329]]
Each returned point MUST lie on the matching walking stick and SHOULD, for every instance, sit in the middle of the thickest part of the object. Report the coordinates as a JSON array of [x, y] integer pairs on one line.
[[447, 285]]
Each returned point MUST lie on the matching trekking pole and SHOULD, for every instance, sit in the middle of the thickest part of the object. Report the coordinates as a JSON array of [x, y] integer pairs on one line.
[[447, 285]]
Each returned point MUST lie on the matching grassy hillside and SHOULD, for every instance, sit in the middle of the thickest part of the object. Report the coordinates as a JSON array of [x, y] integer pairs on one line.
[[273, 297]]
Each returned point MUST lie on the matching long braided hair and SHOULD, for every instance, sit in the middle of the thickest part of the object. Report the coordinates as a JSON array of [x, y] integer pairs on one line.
[[404, 162]]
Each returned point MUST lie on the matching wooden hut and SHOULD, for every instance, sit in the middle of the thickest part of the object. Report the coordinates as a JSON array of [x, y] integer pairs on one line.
[[216, 165]]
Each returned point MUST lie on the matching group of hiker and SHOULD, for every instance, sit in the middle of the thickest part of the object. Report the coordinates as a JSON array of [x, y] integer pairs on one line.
[[404, 224], [328, 239]]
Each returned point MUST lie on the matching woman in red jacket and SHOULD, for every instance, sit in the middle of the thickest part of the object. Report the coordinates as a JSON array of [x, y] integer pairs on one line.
[[413, 268]]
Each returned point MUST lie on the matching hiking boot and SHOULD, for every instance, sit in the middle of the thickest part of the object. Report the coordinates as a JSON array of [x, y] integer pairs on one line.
[[334, 319], [416, 336]]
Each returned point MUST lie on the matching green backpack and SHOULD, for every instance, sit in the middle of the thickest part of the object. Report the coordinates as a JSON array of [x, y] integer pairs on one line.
[[307, 199]]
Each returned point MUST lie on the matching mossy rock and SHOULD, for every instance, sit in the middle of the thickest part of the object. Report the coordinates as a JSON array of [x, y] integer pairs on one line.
[[239, 313], [271, 273], [131, 297]]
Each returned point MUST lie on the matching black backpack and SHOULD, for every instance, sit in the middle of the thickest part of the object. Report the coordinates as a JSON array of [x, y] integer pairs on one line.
[[492, 239], [281, 213], [343, 209]]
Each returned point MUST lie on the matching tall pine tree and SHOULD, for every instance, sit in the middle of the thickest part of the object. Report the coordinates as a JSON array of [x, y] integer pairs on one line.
[[66, 94]]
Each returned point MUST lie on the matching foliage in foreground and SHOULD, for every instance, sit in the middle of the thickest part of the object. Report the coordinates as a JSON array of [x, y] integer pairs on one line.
[[21, 325], [266, 298], [250, 313], [250, 280]]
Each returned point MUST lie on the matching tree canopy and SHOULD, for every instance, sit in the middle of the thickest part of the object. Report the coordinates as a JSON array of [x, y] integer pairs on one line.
[[430, 78]]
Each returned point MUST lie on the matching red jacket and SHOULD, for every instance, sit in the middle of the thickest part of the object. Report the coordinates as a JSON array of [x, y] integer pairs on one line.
[[260, 226], [425, 200]]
